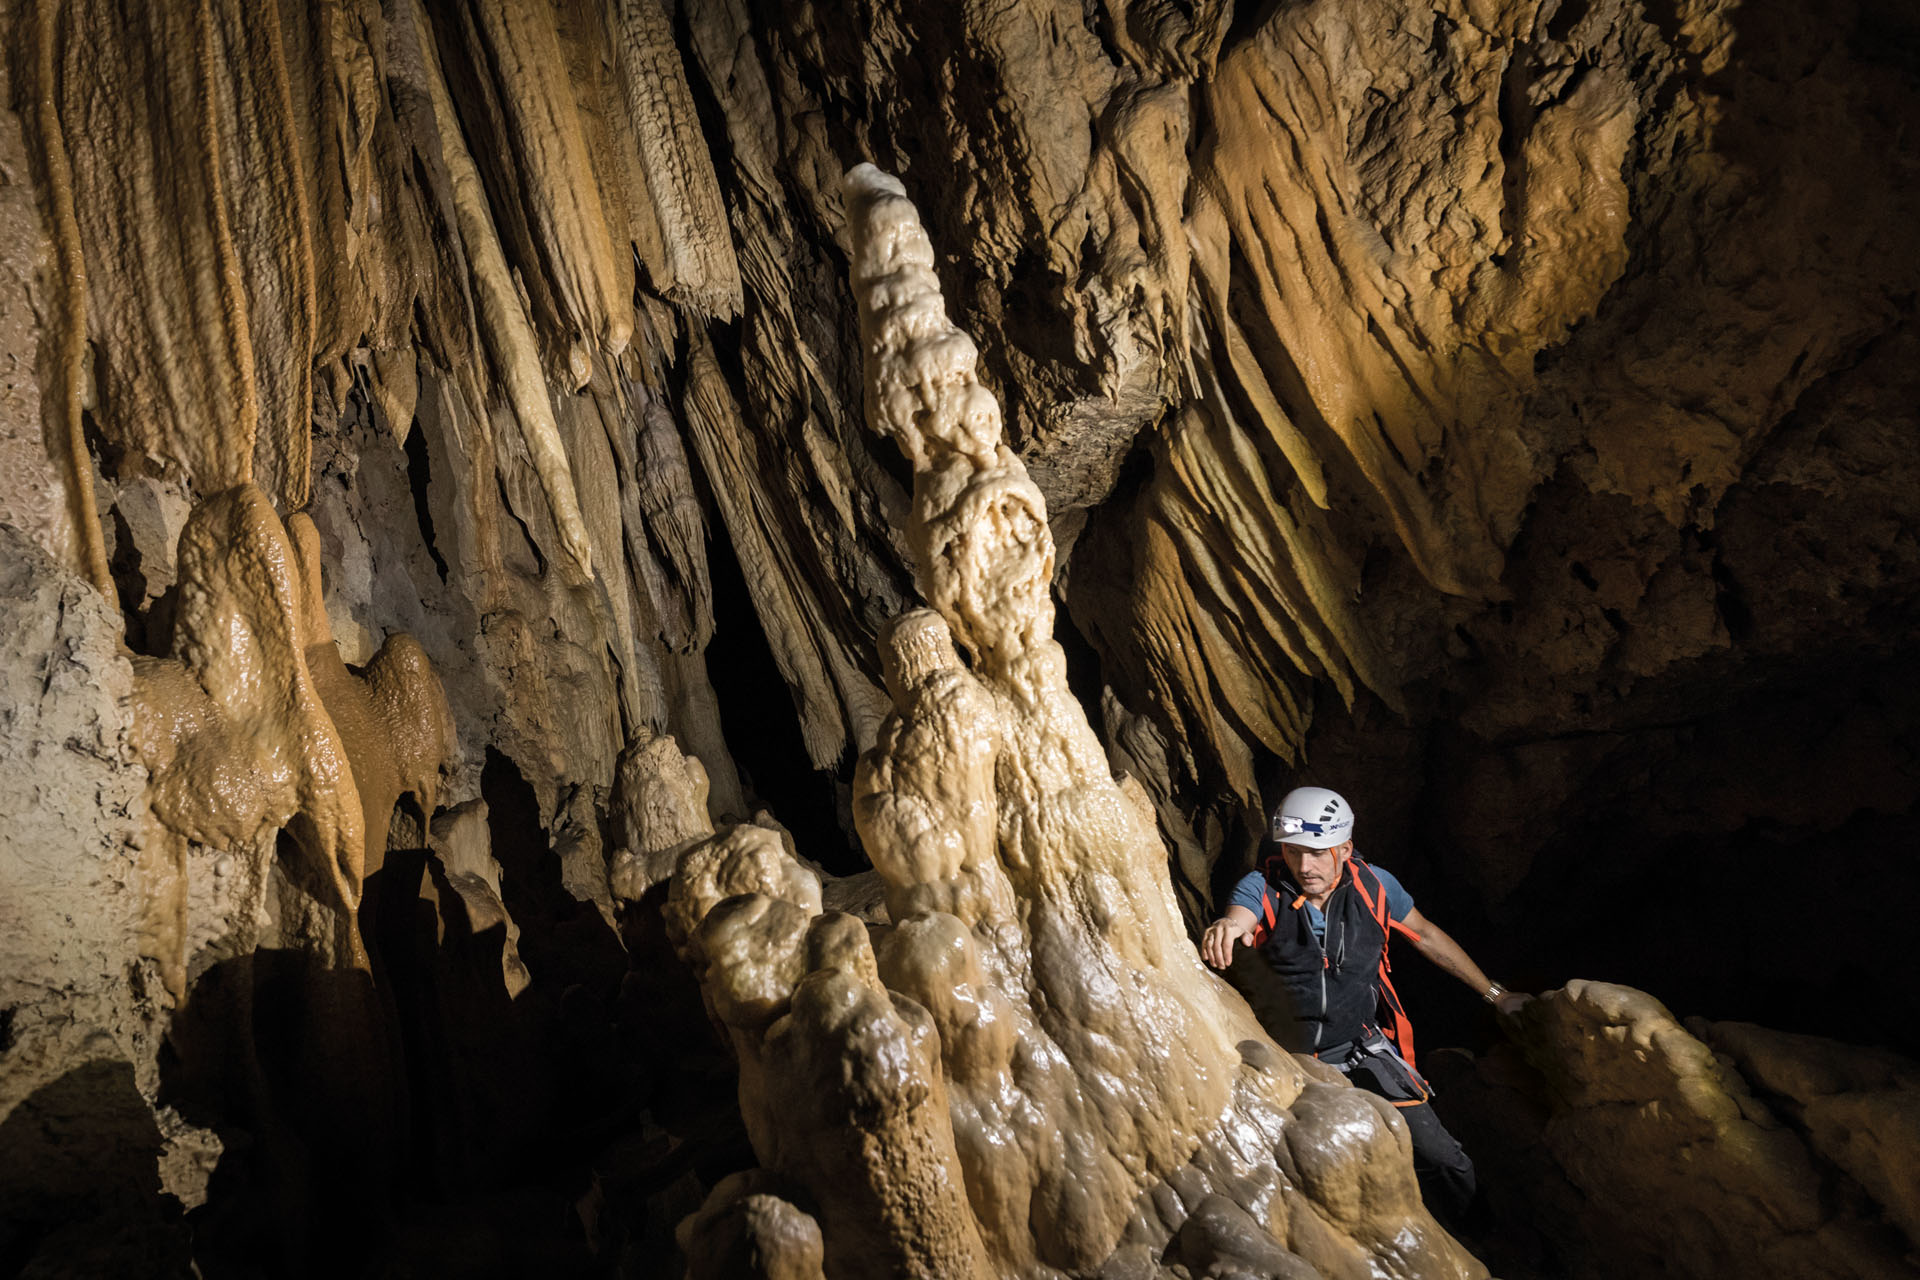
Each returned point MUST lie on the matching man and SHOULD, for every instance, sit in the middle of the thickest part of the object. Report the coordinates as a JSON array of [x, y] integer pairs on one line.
[[1319, 920]]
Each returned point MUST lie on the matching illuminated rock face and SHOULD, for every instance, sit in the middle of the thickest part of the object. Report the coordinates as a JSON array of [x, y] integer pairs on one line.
[[1705, 1149], [996, 1082], [71, 888], [255, 725]]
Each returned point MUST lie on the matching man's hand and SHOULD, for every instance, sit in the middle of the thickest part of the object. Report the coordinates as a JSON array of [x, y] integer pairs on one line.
[[1216, 944], [1511, 1002]]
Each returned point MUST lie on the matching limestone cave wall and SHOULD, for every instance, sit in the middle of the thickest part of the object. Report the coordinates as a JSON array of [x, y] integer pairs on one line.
[[455, 475]]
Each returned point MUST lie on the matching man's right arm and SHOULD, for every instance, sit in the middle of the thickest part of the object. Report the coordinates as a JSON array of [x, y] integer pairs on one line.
[[1216, 944]]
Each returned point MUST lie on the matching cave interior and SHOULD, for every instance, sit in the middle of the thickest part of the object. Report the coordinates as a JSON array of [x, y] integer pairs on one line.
[[592, 688]]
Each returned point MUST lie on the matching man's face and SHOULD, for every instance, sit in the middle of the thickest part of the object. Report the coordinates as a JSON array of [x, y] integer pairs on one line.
[[1316, 870]]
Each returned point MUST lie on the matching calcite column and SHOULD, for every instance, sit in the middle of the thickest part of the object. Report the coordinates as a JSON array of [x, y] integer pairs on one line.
[[1013, 1075], [1085, 1045]]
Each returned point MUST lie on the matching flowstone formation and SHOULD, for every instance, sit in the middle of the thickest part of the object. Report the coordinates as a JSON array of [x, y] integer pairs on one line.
[[188, 846], [254, 726], [1635, 1144], [1027, 1072]]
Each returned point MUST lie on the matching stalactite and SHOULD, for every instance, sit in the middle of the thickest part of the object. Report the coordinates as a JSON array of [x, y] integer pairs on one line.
[[670, 517], [272, 270], [509, 337], [76, 461], [726, 452], [192, 207], [586, 44], [697, 265], [560, 187]]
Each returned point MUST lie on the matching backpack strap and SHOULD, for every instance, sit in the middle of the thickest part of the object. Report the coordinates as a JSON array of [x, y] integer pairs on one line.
[[1263, 927], [1393, 1014], [1393, 1017], [1376, 900], [1270, 913]]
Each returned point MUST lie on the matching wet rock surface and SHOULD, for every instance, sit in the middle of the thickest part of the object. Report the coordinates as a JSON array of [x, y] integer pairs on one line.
[[1622, 1141], [993, 1082]]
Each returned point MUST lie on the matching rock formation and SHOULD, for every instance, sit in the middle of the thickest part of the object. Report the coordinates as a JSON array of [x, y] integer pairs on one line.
[[254, 725], [437, 500], [997, 1082], [1697, 1150]]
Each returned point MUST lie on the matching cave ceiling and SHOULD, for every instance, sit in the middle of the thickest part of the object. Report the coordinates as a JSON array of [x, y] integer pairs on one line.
[[1322, 327]]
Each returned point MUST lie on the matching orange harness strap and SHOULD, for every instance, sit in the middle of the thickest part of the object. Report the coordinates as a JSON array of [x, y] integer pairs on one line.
[[1401, 1030], [1261, 931]]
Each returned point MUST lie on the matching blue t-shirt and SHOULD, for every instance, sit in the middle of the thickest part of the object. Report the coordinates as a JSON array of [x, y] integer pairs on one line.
[[1253, 884]]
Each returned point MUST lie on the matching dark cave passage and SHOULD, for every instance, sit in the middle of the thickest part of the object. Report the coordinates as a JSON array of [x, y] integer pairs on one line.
[[763, 730]]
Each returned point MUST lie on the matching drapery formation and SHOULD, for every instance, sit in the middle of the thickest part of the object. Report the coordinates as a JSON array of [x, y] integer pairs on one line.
[[1306, 271]]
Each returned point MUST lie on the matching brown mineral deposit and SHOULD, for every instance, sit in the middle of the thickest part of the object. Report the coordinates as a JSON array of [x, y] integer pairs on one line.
[[1035, 1026]]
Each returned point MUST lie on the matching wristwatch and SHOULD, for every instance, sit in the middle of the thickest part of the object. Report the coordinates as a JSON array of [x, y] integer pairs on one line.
[[1493, 993]]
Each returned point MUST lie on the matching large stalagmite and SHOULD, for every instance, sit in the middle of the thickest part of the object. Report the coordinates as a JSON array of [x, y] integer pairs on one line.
[[994, 1083]]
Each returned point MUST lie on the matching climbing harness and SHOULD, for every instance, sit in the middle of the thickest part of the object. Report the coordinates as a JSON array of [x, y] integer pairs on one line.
[[1388, 1009]]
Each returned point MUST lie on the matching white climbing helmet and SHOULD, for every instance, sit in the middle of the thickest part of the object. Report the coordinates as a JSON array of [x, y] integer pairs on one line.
[[1313, 816]]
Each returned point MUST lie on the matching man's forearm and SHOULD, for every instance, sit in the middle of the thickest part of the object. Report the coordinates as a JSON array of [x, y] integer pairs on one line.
[[1436, 945]]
